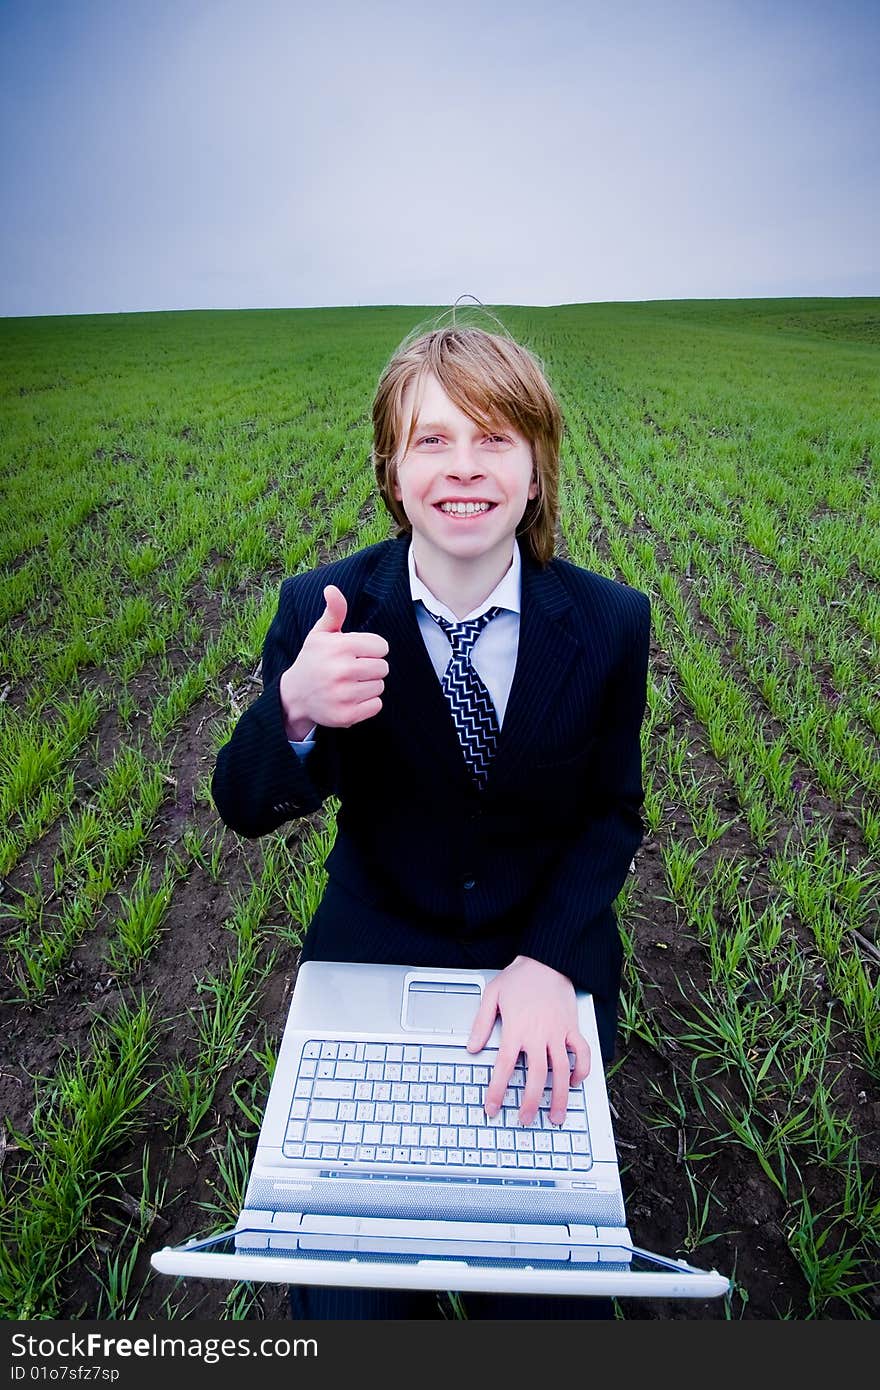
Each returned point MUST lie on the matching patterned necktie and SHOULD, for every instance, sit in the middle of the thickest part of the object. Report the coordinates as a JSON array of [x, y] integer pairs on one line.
[[473, 713]]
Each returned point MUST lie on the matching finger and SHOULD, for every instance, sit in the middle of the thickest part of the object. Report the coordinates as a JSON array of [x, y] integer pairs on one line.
[[498, 1082], [536, 1079], [354, 692], [370, 668], [365, 644], [561, 1075], [577, 1043], [333, 617], [483, 1019], [359, 713]]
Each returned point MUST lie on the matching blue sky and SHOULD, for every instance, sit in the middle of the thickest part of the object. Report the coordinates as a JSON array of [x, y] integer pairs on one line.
[[251, 153]]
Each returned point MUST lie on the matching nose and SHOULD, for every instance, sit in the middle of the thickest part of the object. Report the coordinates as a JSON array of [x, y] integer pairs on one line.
[[465, 462]]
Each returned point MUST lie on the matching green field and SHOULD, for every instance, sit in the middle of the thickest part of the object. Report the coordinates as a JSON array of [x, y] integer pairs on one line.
[[161, 474]]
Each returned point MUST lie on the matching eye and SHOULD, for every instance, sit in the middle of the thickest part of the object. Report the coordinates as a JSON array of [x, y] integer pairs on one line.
[[430, 439], [497, 438]]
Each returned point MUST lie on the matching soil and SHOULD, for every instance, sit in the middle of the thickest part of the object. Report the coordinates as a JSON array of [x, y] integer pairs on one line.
[[748, 1218]]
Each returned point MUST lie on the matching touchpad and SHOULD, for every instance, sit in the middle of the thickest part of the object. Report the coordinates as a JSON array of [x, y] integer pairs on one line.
[[441, 1006]]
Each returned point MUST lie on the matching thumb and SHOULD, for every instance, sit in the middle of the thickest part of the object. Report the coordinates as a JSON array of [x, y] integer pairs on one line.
[[485, 1017], [333, 617]]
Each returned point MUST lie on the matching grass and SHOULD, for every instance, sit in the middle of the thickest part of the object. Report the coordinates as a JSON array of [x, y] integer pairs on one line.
[[162, 473]]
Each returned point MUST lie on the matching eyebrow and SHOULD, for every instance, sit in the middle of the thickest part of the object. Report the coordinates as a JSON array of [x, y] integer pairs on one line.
[[439, 427]]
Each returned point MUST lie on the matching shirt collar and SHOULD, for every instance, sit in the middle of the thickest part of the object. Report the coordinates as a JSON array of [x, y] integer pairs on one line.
[[506, 593]]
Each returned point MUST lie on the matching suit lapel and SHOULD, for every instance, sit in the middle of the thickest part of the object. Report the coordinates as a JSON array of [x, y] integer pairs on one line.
[[413, 703], [545, 653], [413, 700]]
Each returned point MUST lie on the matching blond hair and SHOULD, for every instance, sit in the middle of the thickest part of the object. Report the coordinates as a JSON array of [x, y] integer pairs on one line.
[[494, 380]]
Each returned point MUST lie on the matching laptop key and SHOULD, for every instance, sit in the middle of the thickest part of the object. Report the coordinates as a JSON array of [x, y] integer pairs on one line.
[[333, 1090], [322, 1110], [326, 1133]]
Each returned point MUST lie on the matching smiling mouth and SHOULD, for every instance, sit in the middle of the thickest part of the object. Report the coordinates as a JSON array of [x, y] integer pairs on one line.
[[465, 509]]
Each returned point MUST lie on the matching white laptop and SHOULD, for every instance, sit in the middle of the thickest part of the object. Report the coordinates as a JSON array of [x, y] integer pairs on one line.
[[376, 1165]]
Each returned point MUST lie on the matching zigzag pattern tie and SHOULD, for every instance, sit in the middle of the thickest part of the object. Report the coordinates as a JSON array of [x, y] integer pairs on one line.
[[473, 713]]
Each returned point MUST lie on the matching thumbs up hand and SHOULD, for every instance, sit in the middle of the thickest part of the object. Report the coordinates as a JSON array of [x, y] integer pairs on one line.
[[338, 678]]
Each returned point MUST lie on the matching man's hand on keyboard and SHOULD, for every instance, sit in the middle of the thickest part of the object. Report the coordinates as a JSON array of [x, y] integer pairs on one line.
[[539, 1018]]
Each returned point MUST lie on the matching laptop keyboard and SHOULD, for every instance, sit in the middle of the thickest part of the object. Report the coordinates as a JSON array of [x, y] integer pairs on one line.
[[420, 1105]]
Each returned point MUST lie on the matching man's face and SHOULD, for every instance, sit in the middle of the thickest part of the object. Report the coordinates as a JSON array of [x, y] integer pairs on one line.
[[464, 489]]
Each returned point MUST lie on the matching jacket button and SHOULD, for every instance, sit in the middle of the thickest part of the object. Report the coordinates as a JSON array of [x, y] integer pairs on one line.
[[469, 882]]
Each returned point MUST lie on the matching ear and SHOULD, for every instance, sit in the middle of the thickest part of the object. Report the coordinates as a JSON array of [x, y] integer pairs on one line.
[[533, 488]]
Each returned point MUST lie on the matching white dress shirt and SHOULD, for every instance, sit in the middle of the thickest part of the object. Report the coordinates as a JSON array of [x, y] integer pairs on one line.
[[493, 655]]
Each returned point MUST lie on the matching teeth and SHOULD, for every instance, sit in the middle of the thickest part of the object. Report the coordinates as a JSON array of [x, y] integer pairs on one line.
[[464, 508]]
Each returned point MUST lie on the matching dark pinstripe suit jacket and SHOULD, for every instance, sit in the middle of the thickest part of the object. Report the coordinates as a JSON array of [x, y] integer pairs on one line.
[[426, 870]]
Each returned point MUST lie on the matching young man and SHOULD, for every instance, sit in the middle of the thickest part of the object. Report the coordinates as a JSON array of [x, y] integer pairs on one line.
[[475, 705]]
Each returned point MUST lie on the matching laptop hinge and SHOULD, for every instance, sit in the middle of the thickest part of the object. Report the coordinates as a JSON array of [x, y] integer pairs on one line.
[[489, 1239], [255, 1229]]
